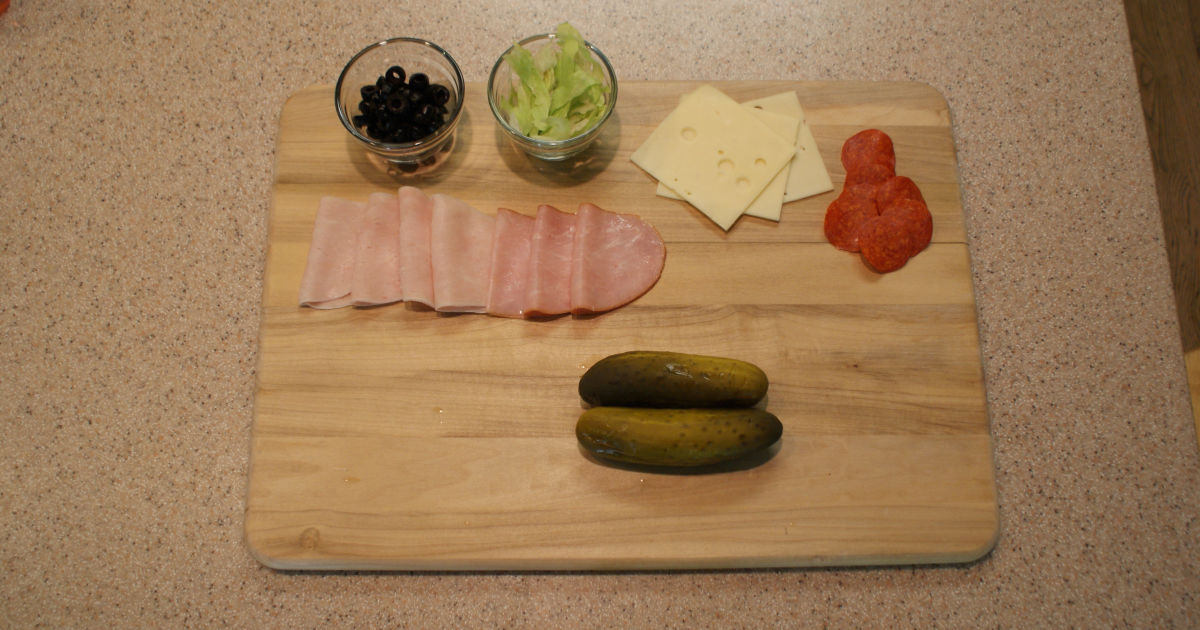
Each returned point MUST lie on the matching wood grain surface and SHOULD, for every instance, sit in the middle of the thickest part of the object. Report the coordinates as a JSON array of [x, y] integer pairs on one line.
[[398, 438], [1165, 37]]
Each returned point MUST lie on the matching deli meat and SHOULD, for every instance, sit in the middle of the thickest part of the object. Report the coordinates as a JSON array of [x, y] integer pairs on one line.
[[549, 288], [461, 252], [377, 266], [329, 275], [510, 264], [439, 251], [617, 258], [416, 233]]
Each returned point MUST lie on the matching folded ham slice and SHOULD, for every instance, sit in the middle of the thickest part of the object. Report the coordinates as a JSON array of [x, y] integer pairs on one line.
[[439, 251], [510, 264], [461, 252], [328, 279], [377, 267], [416, 232], [549, 288], [616, 258]]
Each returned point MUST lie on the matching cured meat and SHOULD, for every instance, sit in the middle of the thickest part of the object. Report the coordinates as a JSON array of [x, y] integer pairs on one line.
[[510, 264], [377, 267], [895, 189], [549, 288], [439, 251], [917, 220], [461, 248], [845, 217], [615, 259], [879, 214], [872, 174], [416, 233], [869, 146], [328, 279], [886, 241]]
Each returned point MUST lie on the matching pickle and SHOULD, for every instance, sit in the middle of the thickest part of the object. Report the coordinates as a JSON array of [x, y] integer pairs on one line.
[[672, 379], [675, 437]]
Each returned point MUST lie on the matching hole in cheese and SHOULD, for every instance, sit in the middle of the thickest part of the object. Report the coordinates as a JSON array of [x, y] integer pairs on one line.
[[759, 162], [742, 182], [725, 166], [687, 133]]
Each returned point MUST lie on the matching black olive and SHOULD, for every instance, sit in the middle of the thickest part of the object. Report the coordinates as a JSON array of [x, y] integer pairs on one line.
[[394, 111], [397, 104], [406, 132], [439, 94]]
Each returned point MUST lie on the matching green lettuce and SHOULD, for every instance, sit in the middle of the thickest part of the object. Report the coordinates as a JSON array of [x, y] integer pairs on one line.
[[560, 90]]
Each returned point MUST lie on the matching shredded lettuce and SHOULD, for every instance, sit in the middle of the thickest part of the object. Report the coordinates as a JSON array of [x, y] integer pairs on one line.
[[560, 91]]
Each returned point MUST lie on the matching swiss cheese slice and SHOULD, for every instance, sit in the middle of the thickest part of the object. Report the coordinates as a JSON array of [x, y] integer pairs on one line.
[[715, 154], [769, 203], [808, 175]]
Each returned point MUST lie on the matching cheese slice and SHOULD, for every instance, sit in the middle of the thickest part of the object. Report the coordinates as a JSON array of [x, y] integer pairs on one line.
[[715, 154], [808, 175], [769, 203]]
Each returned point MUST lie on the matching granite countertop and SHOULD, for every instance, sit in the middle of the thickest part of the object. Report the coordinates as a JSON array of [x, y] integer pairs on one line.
[[137, 164]]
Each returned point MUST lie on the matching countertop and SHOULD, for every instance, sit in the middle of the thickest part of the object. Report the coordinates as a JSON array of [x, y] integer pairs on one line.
[[137, 166]]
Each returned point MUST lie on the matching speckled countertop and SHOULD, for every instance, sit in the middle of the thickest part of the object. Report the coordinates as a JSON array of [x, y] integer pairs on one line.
[[138, 145]]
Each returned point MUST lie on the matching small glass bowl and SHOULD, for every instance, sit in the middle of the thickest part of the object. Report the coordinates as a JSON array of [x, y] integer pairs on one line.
[[501, 83], [414, 55]]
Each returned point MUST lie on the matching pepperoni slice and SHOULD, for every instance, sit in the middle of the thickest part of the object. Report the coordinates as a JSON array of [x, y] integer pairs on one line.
[[895, 189], [869, 146], [845, 217], [885, 242], [873, 174], [917, 220]]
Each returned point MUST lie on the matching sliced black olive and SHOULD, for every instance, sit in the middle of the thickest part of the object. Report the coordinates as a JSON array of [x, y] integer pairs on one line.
[[397, 104], [428, 111], [439, 94], [395, 111]]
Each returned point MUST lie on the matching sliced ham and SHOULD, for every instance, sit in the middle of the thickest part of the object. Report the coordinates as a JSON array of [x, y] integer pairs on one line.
[[416, 268], [511, 245], [461, 255], [439, 251], [549, 289], [377, 268], [328, 279], [616, 258]]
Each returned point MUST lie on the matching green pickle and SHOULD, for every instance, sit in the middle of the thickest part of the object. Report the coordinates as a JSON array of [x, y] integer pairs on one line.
[[672, 379], [676, 437]]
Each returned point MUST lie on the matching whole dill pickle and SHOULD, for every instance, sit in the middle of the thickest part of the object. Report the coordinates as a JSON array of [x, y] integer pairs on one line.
[[672, 379], [675, 437]]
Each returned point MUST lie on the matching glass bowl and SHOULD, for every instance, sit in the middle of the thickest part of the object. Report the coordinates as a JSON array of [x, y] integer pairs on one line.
[[502, 81], [415, 56]]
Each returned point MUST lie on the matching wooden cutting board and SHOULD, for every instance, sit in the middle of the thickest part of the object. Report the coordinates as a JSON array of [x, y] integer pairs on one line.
[[398, 438]]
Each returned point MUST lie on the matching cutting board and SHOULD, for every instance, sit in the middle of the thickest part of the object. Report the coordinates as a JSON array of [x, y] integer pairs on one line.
[[398, 438]]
